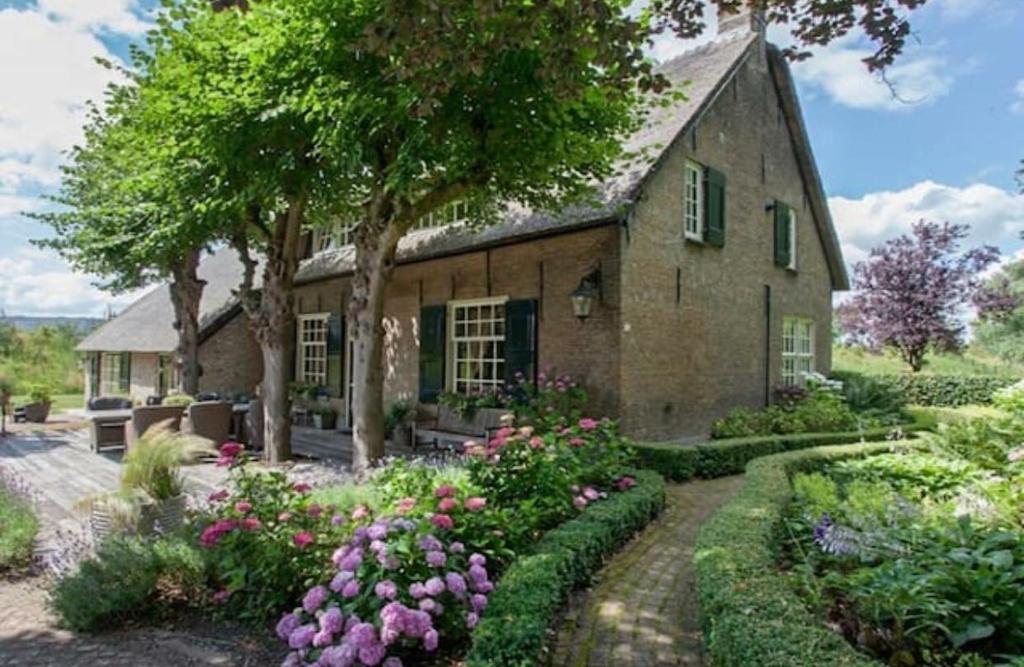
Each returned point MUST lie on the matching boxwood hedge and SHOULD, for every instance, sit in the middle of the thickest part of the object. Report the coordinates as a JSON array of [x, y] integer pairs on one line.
[[750, 614], [523, 606], [949, 391], [717, 458]]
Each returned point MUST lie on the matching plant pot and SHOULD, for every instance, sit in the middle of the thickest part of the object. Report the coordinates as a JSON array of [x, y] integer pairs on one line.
[[401, 437], [482, 421], [324, 422], [37, 413]]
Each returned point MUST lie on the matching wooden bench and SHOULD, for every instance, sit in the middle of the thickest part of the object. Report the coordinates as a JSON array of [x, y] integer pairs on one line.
[[451, 431]]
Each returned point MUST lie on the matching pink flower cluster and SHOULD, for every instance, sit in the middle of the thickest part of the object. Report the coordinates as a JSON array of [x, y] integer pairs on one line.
[[586, 495], [328, 631], [230, 454]]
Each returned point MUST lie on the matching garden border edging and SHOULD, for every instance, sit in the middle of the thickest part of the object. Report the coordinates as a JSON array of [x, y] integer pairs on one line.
[[514, 631]]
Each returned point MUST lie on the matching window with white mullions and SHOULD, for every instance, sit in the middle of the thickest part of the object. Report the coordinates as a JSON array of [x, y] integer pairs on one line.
[[311, 349], [797, 350], [477, 340], [693, 201], [112, 375]]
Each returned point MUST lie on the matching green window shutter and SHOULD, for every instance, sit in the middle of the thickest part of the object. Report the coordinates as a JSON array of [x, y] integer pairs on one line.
[[782, 257], [714, 207], [433, 342], [336, 355], [521, 339], [126, 372]]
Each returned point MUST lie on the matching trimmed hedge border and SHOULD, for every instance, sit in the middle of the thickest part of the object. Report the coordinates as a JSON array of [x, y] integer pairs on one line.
[[750, 614], [514, 631], [946, 391], [718, 458]]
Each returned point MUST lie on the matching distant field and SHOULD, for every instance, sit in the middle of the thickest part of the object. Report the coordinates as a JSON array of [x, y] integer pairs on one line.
[[970, 363], [61, 402]]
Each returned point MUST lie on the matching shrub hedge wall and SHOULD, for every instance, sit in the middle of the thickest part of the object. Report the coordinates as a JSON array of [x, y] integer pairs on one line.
[[750, 614], [717, 458], [522, 608], [943, 390]]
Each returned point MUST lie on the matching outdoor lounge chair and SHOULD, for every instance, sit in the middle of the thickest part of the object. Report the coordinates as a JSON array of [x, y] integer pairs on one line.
[[146, 417], [210, 420], [108, 430]]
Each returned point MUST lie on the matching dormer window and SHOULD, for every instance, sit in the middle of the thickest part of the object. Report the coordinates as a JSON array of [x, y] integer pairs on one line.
[[456, 211]]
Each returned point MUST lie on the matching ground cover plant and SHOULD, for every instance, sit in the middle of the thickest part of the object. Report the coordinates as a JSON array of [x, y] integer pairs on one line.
[[18, 527], [917, 557]]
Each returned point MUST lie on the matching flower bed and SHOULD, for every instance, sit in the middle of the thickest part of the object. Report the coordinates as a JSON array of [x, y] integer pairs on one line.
[[750, 613]]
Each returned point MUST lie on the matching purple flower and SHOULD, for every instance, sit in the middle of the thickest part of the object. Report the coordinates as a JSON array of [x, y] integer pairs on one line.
[[430, 543], [377, 531], [372, 654], [332, 621], [393, 662], [287, 625], [456, 547], [322, 639], [340, 579], [302, 636], [417, 590], [377, 546], [337, 520], [362, 634], [430, 639], [477, 559], [471, 620], [456, 584], [478, 602], [386, 590], [428, 605], [314, 599], [436, 558], [477, 574], [483, 587], [350, 590], [352, 560], [337, 656], [434, 586]]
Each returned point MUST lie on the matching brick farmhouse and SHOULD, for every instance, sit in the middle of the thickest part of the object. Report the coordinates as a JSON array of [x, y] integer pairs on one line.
[[711, 260]]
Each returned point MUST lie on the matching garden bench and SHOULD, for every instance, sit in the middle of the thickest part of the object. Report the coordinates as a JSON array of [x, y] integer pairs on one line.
[[451, 431]]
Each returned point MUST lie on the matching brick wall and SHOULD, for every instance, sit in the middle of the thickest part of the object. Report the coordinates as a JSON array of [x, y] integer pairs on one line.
[[231, 359], [687, 361]]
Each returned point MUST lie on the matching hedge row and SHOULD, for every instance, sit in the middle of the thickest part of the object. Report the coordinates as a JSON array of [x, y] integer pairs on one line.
[[718, 458], [523, 607], [750, 614], [949, 391]]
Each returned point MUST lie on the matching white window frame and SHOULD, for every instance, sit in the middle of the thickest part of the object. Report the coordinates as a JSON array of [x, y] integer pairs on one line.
[[110, 383], [476, 362], [449, 214], [798, 334], [693, 201], [337, 236], [312, 351], [792, 240]]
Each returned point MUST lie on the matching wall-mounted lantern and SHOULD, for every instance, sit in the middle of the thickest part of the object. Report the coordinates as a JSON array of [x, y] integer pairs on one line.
[[584, 295]]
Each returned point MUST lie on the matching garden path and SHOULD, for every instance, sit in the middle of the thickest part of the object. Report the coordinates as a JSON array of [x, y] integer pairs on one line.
[[642, 611]]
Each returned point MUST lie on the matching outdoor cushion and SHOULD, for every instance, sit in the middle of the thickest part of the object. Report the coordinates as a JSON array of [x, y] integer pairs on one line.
[[109, 403], [210, 420]]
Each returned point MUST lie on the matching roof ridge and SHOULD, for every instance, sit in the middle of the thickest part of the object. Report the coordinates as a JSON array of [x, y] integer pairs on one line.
[[718, 40]]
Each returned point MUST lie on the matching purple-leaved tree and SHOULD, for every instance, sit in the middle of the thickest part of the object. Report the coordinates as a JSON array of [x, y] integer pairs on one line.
[[910, 293]]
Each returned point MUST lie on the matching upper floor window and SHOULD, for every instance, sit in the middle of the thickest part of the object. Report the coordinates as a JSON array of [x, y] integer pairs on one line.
[[693, 201], [329, 238], [456, 211], [311, 349], [797, 350]]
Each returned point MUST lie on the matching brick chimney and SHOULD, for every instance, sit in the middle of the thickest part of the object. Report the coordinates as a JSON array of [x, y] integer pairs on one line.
[[746, 18]]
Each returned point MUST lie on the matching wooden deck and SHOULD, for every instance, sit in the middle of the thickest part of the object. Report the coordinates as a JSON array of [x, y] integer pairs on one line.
[[330, 445]]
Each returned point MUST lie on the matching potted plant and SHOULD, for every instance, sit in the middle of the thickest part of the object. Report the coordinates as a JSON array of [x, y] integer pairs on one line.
[[476, 412], [324, 416], [151, 495], [396, 424], [38, 408], [182, 400]]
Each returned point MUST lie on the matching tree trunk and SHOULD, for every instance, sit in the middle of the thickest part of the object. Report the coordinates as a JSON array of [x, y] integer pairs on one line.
[[186, 293], [375, 255], [272, 318]]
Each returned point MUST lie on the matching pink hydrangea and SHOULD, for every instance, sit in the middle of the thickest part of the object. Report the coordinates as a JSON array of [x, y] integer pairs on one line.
[[360, 513], [577, 442], [251, 523], [447, 505], [588, 424], [444, 491], [625, 483], [590, 493], [579, 502], [536, 442], [442, 521], [314, 511], [301, 487], [303, 539], [475, 504], [283, 517], [405, 505], [221, 596], [212, 533], [218, 496], [243, 507]]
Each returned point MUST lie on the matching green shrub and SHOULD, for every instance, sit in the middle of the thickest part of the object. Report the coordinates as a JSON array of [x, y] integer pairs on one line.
[[870, 395], [819, 412], [182, 400], [18, 528], [532, 590], [717, 458], [750, 613], [122, 581], [946, 390]]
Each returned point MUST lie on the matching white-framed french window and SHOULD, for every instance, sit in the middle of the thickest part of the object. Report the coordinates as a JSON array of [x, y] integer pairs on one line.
[[797, 350], [693, 201], [792, 240], [311, 349], [111, 374], [476, 339]]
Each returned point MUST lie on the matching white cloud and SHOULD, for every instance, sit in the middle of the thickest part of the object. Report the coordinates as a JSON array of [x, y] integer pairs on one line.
[[32, 283], [915, 79], [1017, 106], [117, 16], [996, 216]]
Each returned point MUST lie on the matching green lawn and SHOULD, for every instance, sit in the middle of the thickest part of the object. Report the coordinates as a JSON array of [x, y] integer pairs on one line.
[[18, 526], [61, 402], [969, 363]]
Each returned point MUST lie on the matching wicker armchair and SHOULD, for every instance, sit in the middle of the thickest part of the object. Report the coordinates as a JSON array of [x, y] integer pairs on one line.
[[210, 420], [146, 417]]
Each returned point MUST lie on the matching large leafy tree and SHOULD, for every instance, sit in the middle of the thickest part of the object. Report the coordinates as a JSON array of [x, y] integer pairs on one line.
[[381, 111], [126, 214], [910, 294], [1000, 325]]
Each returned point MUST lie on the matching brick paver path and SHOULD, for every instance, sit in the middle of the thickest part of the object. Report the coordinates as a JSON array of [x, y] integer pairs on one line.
[[642, 612]]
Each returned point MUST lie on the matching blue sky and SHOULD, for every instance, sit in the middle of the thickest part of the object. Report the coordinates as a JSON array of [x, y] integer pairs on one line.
[[948, 151]]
